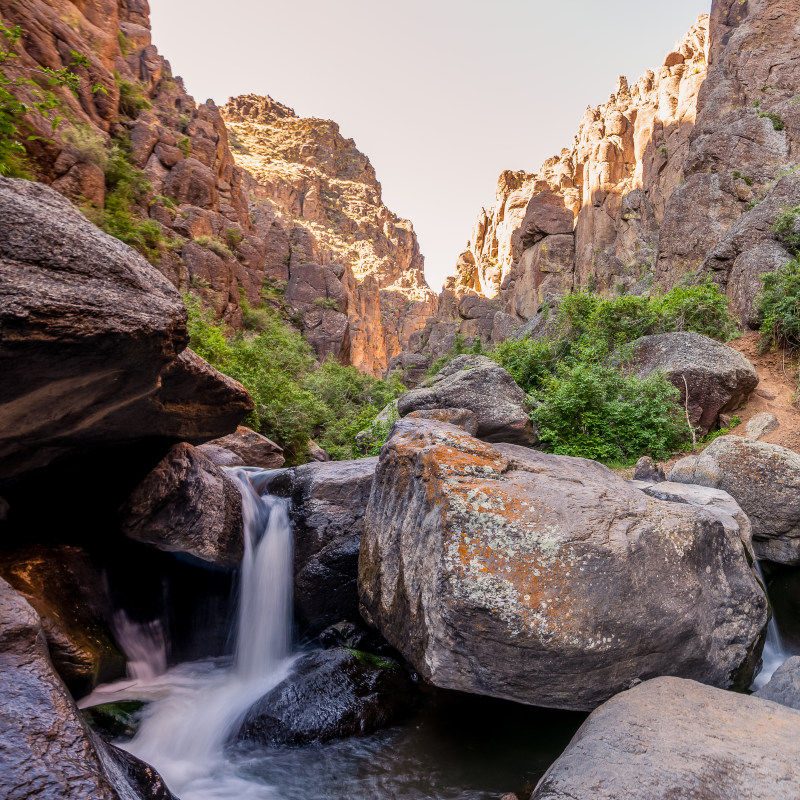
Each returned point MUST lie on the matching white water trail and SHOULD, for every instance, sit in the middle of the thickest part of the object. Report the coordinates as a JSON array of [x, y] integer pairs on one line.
[[775, 652], [183, 734], [144, 646]]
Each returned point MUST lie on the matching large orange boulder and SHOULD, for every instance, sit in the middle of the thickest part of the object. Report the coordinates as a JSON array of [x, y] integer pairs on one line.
[[549, 580]]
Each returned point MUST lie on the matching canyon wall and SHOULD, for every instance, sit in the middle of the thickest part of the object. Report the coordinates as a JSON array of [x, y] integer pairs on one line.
[[678, 177], [134, 151]]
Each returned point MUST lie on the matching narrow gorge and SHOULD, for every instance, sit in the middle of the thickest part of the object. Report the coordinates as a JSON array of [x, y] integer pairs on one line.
[[277, 522]]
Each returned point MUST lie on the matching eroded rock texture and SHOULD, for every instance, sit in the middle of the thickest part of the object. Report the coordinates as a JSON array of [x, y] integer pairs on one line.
[[92, 342], [353, 268], [47, 751], [764, 479], [548, 580], [676, 738]]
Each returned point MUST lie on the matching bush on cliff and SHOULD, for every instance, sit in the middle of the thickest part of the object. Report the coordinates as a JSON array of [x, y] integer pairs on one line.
[[779, 307], [586, 401], [296, 398]]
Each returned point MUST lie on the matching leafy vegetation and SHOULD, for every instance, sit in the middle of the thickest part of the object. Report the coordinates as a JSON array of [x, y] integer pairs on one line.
[[585, 397], [787, 228], [296, 398], [132, 98], [459, 348], [779, 307], [775, 118], [215, 245]]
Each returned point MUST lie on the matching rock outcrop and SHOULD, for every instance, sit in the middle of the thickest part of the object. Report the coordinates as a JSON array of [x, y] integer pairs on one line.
[[65, 589], [764, 479], [352, 268], [187, 504], [548, 580], [479, 385], [328, 505], [253, 449], [676, 738], [93, 342], [711, 377], [784, 686], [330, 694], [46, 749]]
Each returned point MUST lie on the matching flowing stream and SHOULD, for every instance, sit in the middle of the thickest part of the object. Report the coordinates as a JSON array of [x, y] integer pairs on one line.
[[775, 650]]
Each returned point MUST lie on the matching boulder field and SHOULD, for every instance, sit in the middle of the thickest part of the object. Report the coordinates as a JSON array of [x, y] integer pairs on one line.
[[549, 580]]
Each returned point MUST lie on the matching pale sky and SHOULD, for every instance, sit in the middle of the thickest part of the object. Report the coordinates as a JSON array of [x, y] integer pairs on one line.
[[441, 95]]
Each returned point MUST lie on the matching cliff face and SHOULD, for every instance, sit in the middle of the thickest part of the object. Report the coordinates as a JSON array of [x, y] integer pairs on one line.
[[317, 221], [353, 268], [680, 176], [589, 217]]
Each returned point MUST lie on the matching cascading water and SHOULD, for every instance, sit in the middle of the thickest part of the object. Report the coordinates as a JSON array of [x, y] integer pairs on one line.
[[775, 653], [144, 646], [197, 707]]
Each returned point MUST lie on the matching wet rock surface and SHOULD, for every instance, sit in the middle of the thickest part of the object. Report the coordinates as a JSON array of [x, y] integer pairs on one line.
[[187, 504], [330, 694], [46, 749], [673, 738], [764, 479], [64, 587], [784, 686], [717, 377], [477, 384], [546, 579], [328, 505]]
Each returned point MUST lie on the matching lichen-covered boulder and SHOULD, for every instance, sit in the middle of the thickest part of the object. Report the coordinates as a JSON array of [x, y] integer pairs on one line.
[[764, 479], [478, 384], [717, 377], [672, 738], [47, 751], [548, 580], [330, 694], [329, 500], [187, 504]]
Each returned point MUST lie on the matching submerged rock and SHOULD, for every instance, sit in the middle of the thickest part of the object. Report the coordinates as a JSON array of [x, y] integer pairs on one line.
[[188, 505], [47, 750], [92, 342], [330, 694], [672, 738], [718, 378], [546, 579], [66, 591], [328, 505], [784, 686], [764, 479], [477, 384]]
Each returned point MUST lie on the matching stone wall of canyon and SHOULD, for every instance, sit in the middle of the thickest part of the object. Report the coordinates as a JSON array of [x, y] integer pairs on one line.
[[677, 177], [310, 214]]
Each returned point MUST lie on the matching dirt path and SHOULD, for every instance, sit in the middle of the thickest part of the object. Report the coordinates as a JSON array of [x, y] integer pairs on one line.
[[775, 393]]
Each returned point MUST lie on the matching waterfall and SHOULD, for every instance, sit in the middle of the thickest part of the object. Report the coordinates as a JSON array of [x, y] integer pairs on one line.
[[143, 644], [775, 652], [199, 706]]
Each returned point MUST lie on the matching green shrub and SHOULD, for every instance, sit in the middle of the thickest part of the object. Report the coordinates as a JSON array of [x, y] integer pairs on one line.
[[326, 302], [774, 118], [459, 348], [91, 145], [184, 144], [603, 413], [132, 98], [296, 399], [215, 245], [778, 306], [787, 228]]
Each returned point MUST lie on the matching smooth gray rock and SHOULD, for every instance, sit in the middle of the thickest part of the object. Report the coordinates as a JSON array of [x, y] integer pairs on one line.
[[254, 449], [330, 694], [549, 580], [328, 504], [221, 456], [187, 504], [647, 470], [784, 686], [92, 342], [478, 384], [670, 738], [764, 479], [47, 751], [760, 425], [718, 378]]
